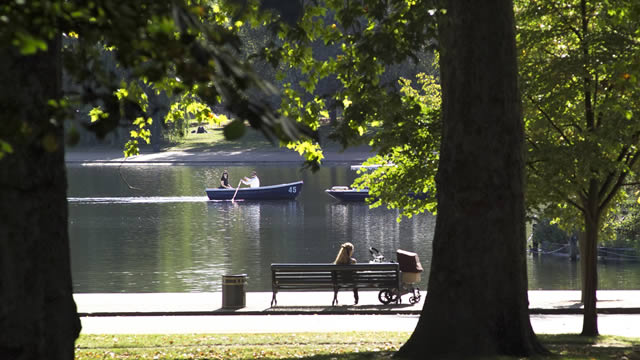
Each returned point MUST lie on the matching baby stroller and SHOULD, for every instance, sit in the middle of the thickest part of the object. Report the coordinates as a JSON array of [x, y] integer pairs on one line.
[[410, 268]]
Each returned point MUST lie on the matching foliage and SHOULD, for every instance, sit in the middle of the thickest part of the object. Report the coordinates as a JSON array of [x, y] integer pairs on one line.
[[187, 110], [544, 231], [193, 52], [580, 86], [365, 38], [411, 145], [338, 346], [178, 46], [625, 226], [580, 80]]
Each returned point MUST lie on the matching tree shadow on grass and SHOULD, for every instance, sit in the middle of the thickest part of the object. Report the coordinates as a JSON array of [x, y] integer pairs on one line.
[[603, 347], [372, 355]]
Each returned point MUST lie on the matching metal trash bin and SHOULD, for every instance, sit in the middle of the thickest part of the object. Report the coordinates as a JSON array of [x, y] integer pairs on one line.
[[233, 291]]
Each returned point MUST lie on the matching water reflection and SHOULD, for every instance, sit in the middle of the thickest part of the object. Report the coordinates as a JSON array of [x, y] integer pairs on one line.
[[135, 199], [165, 236], [378, 228]]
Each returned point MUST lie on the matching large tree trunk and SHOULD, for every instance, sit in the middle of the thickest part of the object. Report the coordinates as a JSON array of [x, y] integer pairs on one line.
[[38, 318], [589, 263], [477, 302]]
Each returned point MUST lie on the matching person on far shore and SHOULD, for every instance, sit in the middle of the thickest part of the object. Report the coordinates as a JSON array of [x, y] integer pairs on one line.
[[345, 258], [252, 181], [224, 181]]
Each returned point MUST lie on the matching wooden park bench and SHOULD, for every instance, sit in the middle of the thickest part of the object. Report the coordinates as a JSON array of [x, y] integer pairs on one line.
[[331, 277]]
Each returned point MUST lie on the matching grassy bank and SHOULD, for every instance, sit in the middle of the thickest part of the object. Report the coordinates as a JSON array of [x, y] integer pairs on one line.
[[252, 139], [316, 346], [214, 139]]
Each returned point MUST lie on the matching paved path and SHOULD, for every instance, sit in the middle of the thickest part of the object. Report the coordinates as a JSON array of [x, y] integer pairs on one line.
[[621, 325], [553, 312]]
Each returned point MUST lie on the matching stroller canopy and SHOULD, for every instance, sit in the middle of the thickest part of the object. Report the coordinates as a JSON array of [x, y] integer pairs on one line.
[[409, 261]]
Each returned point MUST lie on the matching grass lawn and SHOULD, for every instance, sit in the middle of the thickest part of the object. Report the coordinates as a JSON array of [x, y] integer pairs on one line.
[[252, 139], [316, 346], [214, 139]]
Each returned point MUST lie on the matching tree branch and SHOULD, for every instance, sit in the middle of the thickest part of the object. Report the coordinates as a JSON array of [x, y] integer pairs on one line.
[[561, 194], [574, 204], [632, 160], [549, 119], [612, 175], [533, 144], [566, 21]]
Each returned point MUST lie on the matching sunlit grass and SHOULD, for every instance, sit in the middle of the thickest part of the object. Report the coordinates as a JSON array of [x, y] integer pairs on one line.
[[350, 345], [317, 346], [214, 140]]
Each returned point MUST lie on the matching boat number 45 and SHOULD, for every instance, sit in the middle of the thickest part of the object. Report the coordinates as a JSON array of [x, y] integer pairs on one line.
[[292, 189]]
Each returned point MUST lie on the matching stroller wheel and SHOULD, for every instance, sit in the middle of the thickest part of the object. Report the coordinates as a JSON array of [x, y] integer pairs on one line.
[[386, 296], [415, 297]]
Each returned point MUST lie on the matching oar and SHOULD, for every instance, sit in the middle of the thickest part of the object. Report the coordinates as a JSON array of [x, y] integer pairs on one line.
[[234, 194]]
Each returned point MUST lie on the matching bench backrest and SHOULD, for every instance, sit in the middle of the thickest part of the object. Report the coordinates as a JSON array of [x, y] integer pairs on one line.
[[329, 276]]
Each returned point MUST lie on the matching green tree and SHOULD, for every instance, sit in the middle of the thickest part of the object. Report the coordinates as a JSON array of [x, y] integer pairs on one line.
[[165, 43], [580, 74], [476, 303], [626, 222], [411, 144]]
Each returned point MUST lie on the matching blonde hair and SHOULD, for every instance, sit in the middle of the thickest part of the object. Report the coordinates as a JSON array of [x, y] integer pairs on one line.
[[344, 255]]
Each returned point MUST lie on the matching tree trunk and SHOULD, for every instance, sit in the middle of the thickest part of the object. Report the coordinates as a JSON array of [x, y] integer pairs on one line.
[[38, 318], [589, 264], [573, 248], [477, 302], [159, 106]]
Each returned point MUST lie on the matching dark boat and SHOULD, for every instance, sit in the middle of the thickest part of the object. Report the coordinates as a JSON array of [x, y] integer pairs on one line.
[[273, 192], [344, 193], [347, 194]]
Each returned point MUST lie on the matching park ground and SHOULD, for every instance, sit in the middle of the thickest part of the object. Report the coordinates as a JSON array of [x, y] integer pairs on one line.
[[315, 346], [305, 326], [212, 148]]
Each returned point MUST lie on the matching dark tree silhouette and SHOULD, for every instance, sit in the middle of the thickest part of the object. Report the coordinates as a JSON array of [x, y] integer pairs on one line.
[[477, 303]]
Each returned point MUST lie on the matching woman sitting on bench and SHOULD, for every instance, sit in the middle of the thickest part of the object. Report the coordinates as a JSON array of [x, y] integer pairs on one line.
[[344, 258]]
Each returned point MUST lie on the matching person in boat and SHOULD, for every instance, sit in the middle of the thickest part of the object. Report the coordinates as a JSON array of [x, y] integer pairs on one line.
[[252, 181], [345, 257], [224, 181]]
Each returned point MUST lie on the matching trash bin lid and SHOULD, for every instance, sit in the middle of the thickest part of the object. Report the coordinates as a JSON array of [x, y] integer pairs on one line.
[[235, 276], [238, 279]]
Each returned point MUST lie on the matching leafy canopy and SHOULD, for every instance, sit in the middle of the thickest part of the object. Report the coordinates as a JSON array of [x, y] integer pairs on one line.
[[178, 46], [580, 77], [191, 50], [399, 121]]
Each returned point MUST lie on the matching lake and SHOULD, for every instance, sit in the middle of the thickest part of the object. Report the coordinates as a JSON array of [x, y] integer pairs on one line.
[[152, 229]]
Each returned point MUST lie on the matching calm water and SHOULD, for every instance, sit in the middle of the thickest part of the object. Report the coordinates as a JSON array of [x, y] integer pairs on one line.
[[152, 229]]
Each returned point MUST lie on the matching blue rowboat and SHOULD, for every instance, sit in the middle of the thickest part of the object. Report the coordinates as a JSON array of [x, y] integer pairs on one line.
[[273, 192]]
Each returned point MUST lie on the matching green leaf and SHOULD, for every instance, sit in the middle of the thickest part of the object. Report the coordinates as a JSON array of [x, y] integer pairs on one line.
[[234, 130], [29, 44]]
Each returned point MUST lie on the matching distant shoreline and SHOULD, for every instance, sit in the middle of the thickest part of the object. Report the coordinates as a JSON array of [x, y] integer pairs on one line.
[[208, 156]]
